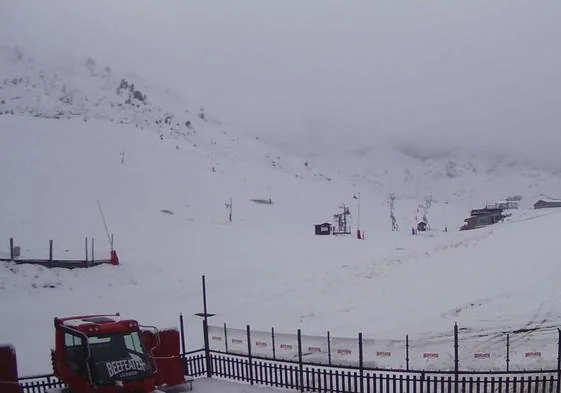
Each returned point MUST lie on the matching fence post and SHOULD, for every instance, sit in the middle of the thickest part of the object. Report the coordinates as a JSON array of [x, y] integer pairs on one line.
[[407, 352], [93, 244], [300, 362], [507, 352], [559, 361], [273, 338], [183, 349], [329, 348], [249, 358], [87, 256], [207, 349], [361, 363], [456, 360], [182, 330], [50, 250], [225, 337], [11, 248], [205, 316]]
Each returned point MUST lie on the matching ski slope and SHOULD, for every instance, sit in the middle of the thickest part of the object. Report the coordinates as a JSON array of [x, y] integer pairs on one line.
[[72, 134], [266, 267]]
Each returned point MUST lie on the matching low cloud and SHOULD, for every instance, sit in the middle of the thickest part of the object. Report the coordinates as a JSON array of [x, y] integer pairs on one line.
[[443, 75]]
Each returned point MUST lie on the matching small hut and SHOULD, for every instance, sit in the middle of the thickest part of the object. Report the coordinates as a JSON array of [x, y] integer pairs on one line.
[[323, 229]]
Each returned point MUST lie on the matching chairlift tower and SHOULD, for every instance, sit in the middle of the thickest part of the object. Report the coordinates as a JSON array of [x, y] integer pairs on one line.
[[229, 207], [342, 221], [392, 199]]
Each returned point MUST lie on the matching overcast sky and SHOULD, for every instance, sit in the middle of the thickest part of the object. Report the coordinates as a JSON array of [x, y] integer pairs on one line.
[[443, 72]]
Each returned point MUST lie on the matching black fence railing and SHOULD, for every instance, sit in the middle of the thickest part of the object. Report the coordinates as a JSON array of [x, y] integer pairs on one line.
[[194, 363], [40, 383], [336, 379], [245, 362], [310, 377]]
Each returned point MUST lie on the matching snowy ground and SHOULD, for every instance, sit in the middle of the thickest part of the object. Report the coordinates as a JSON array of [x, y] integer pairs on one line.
[[266, 268], [73, 136], [213, 385]]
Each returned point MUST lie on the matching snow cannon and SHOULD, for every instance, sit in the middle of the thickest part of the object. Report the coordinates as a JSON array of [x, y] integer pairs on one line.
[[114, 258]]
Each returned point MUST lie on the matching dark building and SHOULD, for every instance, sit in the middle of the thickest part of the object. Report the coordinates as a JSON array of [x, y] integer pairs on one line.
[[323, 229], [421, 226], [488, 211], [483, 217], [541, 204]]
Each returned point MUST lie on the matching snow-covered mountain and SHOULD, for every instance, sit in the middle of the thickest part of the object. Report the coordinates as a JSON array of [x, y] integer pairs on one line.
[[162, 166], [73, 137]]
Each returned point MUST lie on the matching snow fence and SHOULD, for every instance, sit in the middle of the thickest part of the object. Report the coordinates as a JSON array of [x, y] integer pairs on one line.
[[494, 352]]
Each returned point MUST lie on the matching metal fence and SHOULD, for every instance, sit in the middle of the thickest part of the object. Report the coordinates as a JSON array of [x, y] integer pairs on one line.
[[527, 361], [306, 377], [51, 262], [194, 363], [297, 370], [39, 383], [311, 363]]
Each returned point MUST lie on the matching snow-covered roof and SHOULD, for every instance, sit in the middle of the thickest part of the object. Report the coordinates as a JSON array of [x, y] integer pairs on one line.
[[92, 319]]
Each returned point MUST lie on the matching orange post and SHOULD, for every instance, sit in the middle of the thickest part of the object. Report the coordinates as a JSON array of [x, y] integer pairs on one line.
[[114, 258]]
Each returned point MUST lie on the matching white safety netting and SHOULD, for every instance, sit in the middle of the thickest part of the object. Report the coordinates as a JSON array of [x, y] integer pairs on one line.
[[526, 351]]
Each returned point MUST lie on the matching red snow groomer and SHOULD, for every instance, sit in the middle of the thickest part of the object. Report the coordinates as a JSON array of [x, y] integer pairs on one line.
[[108, 354]]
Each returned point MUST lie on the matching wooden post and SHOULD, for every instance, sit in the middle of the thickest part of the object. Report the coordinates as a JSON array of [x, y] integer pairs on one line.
[[93, 255], [507, 353], [225, 337], [407, 352], [205, 332], [300, 362], [456, 360], [12, 248], [329, 348], [50, 250], [249, 358], [207, 350], [559, 361], [87, 249], [361, 362], [182, 330], [273, 340]]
